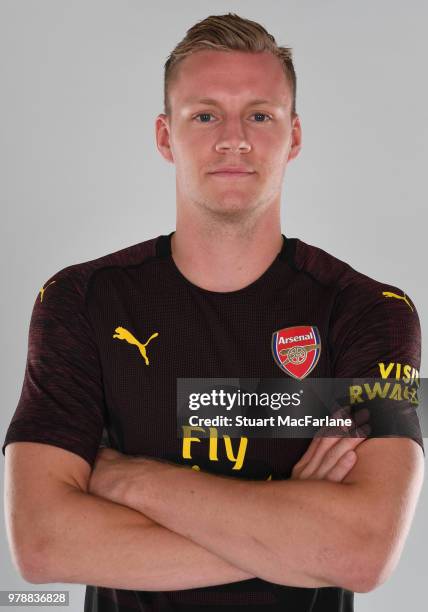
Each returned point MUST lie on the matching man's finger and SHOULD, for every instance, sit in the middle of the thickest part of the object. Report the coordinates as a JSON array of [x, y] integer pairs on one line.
[[342, 467], [322, 455], [324, 446], [333, 456]]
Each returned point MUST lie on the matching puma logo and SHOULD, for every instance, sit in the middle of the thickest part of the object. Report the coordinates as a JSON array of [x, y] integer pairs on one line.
[[43, 289], [124, 334], [398, 297]]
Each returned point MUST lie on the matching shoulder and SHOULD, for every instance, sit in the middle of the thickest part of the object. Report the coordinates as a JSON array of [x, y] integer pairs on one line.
[[365, 312], [81, 273], [70, 283], [354, 291]]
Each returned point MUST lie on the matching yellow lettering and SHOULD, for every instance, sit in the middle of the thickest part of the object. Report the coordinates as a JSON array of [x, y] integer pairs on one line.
[[406, 373], [411, 394], [415, 376], [187, 439], [385, 371], [377, 390], [355, 392], [213, 444], [396, 392], [414, 397], [239, 459]]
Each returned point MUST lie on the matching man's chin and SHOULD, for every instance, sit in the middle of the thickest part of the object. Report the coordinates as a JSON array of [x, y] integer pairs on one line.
[[232, 211]]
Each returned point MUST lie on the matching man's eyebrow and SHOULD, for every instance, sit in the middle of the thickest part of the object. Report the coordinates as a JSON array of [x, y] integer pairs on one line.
[[217, 103]]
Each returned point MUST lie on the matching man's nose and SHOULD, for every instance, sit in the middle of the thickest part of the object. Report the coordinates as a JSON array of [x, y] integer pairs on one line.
[[233, 137]]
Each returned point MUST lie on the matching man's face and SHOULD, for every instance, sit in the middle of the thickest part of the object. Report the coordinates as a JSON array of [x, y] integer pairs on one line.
[[229, 109]]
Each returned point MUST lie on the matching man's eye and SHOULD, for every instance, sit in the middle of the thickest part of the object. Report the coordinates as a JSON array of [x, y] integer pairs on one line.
[[203, 115], [262, 115], [207, 115]]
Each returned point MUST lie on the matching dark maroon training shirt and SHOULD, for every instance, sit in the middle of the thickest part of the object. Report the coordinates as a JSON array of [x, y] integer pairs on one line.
[[97, 372]]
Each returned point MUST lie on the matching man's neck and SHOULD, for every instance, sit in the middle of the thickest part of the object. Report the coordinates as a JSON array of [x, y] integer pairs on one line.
[[225, 257]]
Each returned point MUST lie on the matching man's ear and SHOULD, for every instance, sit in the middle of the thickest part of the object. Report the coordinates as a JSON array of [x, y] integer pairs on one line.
[[162, 137], [296, 138]]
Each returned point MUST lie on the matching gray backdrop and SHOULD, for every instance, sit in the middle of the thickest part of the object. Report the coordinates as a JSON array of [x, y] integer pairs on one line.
[[81, 85]]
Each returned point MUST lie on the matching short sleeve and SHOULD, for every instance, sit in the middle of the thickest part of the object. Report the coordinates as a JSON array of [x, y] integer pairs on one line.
[[62, 399], [379, 337]]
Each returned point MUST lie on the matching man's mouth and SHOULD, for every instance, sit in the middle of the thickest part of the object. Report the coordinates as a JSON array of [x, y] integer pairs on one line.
[[232, 173]]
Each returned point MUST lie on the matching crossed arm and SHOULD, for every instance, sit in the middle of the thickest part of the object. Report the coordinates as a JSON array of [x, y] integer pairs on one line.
[[117, 527], [301, 532]]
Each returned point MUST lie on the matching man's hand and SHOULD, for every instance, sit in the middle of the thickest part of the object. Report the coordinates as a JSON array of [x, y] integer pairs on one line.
[[114, 473], [108, 475], [329, 457]]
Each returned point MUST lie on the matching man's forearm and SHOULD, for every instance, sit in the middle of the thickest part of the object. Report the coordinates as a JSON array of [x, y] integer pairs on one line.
[[90, 540], [299, 533]]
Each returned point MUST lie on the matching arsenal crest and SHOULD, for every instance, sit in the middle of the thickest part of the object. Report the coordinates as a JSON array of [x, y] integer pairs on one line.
[[296, 350]]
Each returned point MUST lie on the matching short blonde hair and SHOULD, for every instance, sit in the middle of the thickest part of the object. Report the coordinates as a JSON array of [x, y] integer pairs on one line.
[[227, 33]]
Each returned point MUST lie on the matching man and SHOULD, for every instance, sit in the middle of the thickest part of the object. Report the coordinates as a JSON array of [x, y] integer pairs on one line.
[[271, 524]]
